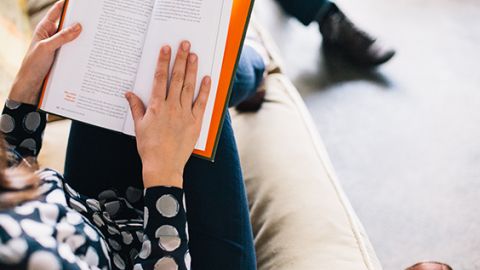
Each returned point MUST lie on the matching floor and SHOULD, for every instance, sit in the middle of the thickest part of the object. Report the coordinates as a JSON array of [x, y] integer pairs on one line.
[[405, 138]]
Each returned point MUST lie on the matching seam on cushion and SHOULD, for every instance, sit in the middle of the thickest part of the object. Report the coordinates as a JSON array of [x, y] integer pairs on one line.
[[306, 118]]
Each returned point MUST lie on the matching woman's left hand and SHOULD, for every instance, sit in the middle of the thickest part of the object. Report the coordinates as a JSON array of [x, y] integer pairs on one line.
[[40, 55]]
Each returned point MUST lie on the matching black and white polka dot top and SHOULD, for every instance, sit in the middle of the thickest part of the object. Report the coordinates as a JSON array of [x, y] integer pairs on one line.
[[63, 229]]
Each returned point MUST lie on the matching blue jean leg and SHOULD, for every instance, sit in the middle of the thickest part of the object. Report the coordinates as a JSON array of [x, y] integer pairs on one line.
[[248, 76]]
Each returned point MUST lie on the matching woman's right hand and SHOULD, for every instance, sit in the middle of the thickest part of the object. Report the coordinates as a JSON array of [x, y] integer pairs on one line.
[[168, 129]]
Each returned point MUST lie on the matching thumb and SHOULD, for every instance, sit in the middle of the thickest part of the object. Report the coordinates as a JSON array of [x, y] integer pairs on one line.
[[64, 36], [136, 106]]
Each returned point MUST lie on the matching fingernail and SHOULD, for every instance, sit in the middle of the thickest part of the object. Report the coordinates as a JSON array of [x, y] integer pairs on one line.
[[127, 95], [76, 27], [192, 58], [166, 49], [207, 80], [185, 46]]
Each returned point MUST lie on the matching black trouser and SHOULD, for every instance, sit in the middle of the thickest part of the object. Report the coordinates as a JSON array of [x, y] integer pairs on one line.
[[305, 11]]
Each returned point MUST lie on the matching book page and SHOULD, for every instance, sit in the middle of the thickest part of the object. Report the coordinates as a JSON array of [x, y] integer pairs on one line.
[[91, 74], [205, 24]]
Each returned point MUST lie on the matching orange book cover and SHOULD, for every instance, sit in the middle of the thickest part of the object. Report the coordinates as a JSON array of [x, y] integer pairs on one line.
[[240, 16]]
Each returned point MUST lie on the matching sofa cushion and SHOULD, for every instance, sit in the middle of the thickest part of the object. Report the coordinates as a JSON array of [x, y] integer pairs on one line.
[[54, 147], [301, 218]]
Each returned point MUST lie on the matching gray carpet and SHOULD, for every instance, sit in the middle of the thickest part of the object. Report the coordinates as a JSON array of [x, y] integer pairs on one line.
[[405, 138]]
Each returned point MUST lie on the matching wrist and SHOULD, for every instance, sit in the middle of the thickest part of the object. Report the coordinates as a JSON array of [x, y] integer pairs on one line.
[[23, 94], [154, 175]]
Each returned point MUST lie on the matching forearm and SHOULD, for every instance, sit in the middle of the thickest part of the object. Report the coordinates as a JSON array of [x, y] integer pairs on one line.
[[23, 126]]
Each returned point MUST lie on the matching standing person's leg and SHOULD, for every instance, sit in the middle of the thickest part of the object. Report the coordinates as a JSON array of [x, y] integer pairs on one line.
[[339, 32], [305, 11]]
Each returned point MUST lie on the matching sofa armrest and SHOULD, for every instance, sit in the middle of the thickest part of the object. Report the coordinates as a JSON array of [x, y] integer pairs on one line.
[[301, 217]]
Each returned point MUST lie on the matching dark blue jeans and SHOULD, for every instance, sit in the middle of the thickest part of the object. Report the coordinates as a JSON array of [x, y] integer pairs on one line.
[[219, 225], [305, 11]]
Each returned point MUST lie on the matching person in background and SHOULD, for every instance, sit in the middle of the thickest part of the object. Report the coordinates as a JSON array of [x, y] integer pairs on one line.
[[339, 32]]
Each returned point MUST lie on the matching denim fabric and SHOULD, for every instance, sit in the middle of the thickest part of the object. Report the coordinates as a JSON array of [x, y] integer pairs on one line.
[[248, 76]]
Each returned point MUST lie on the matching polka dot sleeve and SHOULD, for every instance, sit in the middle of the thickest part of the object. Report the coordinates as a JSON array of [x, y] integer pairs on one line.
[[165, 243], [23, 126]]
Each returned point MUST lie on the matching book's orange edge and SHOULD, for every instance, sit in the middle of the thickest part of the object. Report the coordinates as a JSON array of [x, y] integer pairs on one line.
[[45, 81], [221, 105]]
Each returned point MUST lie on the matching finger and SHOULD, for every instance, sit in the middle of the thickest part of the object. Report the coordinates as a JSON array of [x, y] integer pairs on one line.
[[201, 102], [48, 25], [63, 37], [55, 12], [178, 73], [136, 106], [189, 85], [160, 80]]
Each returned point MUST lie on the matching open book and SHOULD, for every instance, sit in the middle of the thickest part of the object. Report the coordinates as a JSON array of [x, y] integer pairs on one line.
[[118, 50]]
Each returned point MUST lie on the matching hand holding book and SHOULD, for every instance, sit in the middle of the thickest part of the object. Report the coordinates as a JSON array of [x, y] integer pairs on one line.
[[168, 128], [40, 56]]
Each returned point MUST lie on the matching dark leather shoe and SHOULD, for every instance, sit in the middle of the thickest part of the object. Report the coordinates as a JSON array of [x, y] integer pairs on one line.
[[430, 266], [340, 33]]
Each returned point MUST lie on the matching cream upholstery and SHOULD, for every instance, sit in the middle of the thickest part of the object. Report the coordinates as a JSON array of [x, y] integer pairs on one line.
[[300, 215]]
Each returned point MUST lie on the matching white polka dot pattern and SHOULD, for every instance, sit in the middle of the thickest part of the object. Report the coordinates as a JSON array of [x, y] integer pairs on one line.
[[145, 217], [94, 205], [12, 105], [118, 261], [23, 128], [13, 251], [66, 253], [10, 225], [42, 260], [36, 229], [133, 194], [7, 123], [127, 238], [91, 257], [168, 206], [169, 239], [137, 267], [29, 144], [114, 244], [188, 260], [146, 249], [166, 263], [32, 121]]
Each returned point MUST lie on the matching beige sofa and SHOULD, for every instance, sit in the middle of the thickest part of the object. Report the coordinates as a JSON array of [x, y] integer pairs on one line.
[[301, 217]]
